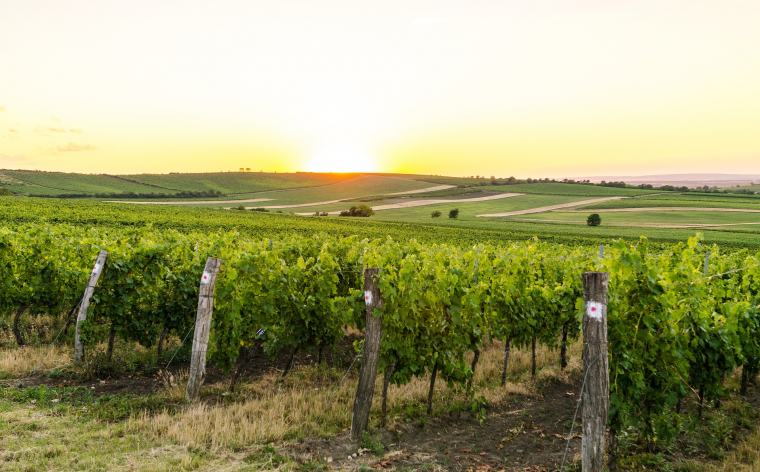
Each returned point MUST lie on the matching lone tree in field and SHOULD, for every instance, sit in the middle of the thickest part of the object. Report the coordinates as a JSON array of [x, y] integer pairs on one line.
[[435, 214], [594, 219], [361, 209], [454, 213]]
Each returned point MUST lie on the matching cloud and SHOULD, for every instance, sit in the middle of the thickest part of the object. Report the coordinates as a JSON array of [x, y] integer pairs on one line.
[[49, 129], [2, 108], [12, 133], [10, 158], [55, 119], [428, 20], [71, 147]]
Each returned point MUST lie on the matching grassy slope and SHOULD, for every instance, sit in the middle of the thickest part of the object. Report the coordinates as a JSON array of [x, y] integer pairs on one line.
[[56, 183], [238, 182], [534, 189], [663, 217], [682, 200], [360, 186], [467, 209]]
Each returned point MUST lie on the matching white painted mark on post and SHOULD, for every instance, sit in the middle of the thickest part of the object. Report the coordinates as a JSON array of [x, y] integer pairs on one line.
[[206, 278], [368, 298], [594, 310], [96, 269]]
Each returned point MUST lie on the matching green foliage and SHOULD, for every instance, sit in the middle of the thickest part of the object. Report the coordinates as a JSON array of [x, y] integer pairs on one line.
[[594, 219], [454, 213], [435, 214], [361, 209], [267, 458], [671, 329], [369, 441]]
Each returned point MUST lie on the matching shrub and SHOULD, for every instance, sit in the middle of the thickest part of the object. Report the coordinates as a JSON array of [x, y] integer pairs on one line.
[[594, 219], [361, 209], [435, 214], [454, 213], [259, 209], [239, 207], [5, 191]]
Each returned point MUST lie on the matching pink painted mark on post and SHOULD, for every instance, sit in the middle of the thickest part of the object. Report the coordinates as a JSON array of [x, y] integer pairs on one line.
[[594, 310]]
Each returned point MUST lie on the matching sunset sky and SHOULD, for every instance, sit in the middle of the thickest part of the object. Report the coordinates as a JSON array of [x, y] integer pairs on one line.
[[523, 88]]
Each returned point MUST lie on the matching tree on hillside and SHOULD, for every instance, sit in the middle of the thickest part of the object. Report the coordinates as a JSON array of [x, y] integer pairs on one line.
[[594, 219]]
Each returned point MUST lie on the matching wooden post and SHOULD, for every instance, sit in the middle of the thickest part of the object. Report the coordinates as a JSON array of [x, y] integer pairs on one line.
[[88, 291], [596, 395], [202, 328], [372, 336]]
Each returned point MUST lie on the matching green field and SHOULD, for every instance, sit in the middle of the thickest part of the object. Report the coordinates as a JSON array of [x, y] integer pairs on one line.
[[362, 185], [56, 183], [465, 231], [553, 188], [467, 209], [230, 183], [652, 217], [683, 200]]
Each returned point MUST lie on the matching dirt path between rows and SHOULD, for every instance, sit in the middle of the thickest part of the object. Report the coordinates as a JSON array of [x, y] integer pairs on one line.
[[519, 433], [549, 208]]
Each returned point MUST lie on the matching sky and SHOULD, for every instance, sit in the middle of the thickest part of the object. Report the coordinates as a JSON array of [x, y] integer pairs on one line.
[[506, 88]]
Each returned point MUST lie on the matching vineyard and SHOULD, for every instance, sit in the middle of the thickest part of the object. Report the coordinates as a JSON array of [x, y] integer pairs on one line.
[[680, 319]]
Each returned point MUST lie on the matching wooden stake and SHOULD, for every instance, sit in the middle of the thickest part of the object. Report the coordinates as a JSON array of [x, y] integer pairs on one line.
[[596, 395], [506, 360], [432, 388], [88, 291], [386, 381], [202, 328], [372, 336]]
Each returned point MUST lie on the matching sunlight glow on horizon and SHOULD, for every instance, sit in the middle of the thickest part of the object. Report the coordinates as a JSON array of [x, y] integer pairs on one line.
[[541, 89], [341, 158]]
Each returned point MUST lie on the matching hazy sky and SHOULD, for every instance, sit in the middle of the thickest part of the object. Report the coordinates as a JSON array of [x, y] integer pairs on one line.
[[525, 88]]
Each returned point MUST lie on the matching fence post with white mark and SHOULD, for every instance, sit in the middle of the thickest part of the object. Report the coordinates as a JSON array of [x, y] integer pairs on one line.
[[372, 335], [596, 395], [85, 304], [202, 328]]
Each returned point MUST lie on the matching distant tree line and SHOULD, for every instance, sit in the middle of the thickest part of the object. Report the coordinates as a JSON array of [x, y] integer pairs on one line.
[[483, 182]]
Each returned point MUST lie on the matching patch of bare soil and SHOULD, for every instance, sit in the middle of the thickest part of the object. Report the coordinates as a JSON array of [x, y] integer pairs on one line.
[[522, 432]]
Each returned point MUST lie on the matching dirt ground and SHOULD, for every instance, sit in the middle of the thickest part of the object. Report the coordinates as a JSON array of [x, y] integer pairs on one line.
[[525, 433]]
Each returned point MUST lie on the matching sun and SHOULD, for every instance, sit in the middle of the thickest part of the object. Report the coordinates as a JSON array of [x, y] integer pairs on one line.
[[341, 158]]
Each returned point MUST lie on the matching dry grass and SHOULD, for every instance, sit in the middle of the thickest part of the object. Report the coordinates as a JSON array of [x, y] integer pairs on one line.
[[746, 457], [20, 361], [271, 412]]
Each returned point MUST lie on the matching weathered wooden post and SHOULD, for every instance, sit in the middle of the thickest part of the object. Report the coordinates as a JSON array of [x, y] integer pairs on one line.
[[202, 328], [372, 335], [596, 395], [88, 291]]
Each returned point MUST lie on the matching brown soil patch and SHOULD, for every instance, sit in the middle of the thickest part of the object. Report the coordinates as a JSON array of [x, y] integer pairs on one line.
[[521, 432]]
